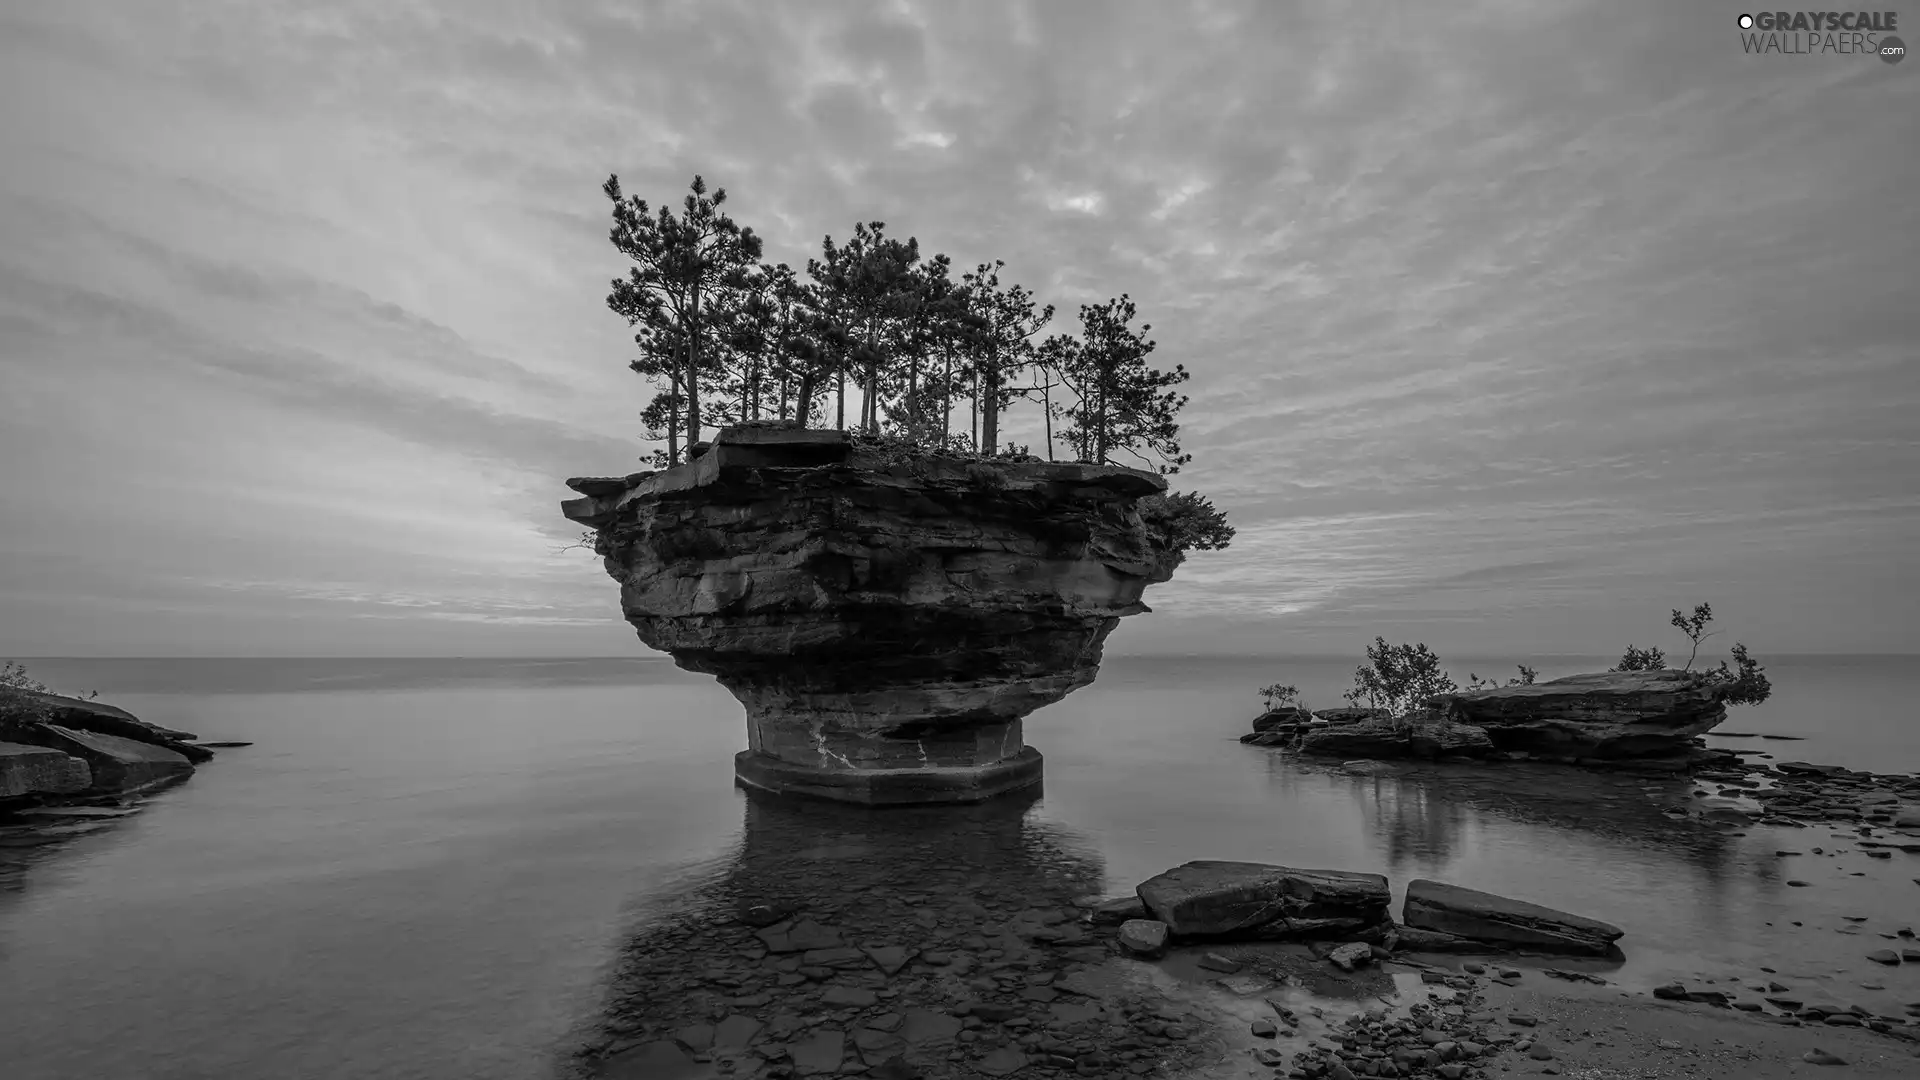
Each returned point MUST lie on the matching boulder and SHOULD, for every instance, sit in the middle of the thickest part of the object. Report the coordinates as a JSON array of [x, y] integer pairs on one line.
[[1260, 901], [40, 770], [1377, 737], [1286, 716], [1612, 714], [1499, 921], [117, 765], [1143, 937], [886, 618]]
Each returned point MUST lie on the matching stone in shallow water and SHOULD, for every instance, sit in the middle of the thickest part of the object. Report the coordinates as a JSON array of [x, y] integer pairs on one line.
[[819, 1053], [1212, 898], [1482, 916], [655, 1061], [1143, 937], [1002, 1062]]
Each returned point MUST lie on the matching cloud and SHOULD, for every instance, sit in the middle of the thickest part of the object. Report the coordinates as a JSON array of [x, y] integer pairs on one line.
[[1510, 324]]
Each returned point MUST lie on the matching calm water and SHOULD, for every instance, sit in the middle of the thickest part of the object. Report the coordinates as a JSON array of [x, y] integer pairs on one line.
[[423, 868]]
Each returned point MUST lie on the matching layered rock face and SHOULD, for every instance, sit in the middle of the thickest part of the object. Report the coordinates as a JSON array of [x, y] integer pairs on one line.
[[887, 620], [1612, 714]]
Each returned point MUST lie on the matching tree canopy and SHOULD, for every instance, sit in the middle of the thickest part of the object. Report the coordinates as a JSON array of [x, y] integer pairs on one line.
[[933, 358]]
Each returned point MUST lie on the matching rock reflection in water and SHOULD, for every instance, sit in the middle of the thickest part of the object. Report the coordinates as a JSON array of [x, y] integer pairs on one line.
[[839, 930]]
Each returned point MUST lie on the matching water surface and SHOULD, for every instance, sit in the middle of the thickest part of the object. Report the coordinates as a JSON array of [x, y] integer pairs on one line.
[[424, 868]]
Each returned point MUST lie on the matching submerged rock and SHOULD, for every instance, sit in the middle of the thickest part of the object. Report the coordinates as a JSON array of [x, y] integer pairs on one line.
[[1497, 920], [887, 620], [1259, 901], [1612, 714]]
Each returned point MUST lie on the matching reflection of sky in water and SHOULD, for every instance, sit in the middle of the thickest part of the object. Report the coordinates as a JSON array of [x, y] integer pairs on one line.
[[446, 865]]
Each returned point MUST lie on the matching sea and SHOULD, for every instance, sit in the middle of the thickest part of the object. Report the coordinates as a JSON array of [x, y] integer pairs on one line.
[[425, 868]]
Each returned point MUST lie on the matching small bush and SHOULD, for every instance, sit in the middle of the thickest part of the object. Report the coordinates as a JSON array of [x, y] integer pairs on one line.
[[1187, 521], [1278, 696], [1747, 682], [1399, 678], [16, 689], [1475, 682], [1641, 660]]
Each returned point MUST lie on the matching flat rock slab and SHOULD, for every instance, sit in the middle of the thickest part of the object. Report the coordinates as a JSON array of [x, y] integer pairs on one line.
[[117, 764], [40, 770], [1497, 920], [1260, 901]]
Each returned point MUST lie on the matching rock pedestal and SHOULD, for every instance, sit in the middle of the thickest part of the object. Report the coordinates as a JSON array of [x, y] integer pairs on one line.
[[887, 619]]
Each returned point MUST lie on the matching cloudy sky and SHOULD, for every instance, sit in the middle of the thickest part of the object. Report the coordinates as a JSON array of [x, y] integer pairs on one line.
[[1512, 324]]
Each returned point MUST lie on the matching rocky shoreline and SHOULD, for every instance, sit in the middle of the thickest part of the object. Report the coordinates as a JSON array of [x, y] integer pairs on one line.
[[904, 946], [75, 765]]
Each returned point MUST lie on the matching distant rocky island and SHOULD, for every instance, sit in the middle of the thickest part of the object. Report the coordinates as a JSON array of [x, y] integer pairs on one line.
[[1639, 719], [888, 618]]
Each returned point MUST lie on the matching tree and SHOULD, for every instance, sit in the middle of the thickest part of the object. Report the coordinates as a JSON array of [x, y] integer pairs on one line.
[[1187, 520], [1695, 627], [1009, 319], [680, 262], [1278, 696], [1398, 678], [1746, 681], [1123, 405]]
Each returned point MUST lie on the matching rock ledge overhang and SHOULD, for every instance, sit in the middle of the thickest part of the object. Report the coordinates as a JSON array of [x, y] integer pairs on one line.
[[876, 610]]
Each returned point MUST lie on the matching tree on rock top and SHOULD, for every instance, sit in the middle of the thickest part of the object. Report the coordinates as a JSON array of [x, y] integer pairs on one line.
[[679, 261]]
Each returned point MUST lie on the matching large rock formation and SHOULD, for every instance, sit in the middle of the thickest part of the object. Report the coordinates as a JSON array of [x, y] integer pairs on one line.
[[1612, 714], [887, 619]]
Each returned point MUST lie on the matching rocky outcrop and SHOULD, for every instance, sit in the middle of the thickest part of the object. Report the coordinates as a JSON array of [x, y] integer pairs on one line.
[[1481, 917], [1286, 717], [1348, 715], [37, 770], [886, 619], [1613, 714], [1426, 736], [116, 765], [66, 745], [1262, 902]]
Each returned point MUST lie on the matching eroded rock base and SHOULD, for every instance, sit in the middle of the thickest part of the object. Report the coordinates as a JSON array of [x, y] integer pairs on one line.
[[911, 786]]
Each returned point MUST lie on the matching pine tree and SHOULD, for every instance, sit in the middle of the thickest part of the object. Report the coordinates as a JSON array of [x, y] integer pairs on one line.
[[681, 261]]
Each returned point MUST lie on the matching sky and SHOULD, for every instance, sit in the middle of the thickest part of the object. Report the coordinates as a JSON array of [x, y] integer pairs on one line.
[[1512, 325]]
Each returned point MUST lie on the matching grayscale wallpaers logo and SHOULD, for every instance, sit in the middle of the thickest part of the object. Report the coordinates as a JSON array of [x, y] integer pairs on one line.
[[1803, 33]]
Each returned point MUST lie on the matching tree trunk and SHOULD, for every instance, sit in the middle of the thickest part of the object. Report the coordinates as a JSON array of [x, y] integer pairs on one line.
[[840, 402], [990, 410], [946, 393], [693, 366], [973, 431], [1046, 404], [673, 419]]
